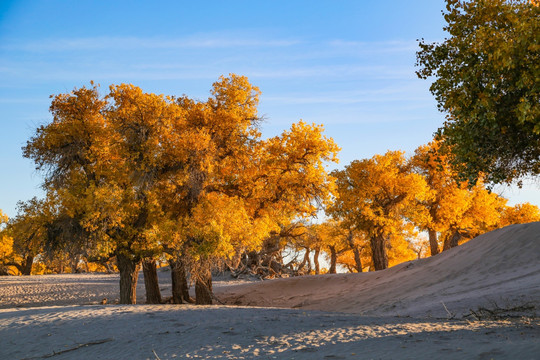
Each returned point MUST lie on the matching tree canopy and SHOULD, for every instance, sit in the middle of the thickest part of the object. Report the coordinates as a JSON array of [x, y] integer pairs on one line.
[[383, 201], [377, 196], [456, 209], [147, 174], [486, 80]]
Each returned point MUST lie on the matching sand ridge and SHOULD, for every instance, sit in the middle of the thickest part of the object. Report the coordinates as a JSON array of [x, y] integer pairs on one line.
[[498, 269]]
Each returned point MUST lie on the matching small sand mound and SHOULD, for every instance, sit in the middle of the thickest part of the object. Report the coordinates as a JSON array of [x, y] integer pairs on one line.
[[497, 270]]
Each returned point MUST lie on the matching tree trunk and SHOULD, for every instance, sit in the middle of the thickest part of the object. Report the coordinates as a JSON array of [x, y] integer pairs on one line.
[[203, 287], [74, 264], [4, 270], [109, 268], [378, 250], [253, 260], [129, 273], [305, 260], [26, 268], [434, 246], [356, 252], [357, 259], [333, 260], [151, 283], [180, 289], [316, 260], [452, 240]]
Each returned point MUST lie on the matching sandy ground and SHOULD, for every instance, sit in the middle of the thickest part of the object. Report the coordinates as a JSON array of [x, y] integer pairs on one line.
[[167, 332], [417, 310], [83, 289], [498, 270]]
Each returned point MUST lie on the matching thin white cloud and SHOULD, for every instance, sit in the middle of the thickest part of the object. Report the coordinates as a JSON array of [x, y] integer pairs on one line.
[[126, 43], [172, 71]]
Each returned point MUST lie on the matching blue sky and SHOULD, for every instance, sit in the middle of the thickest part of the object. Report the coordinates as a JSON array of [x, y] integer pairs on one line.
[[346, 64]]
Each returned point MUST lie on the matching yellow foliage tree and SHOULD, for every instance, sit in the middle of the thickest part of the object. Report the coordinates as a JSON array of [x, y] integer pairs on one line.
[[456, 211], [356, 252], [103, 157], [482, 214], [28, 229], [147, 173], [519, 214], [260, 184], [6, 245], [332, 240], [448, 196], [376, 196]]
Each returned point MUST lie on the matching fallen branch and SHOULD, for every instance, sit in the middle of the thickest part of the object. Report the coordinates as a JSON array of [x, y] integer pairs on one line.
[[157, 357], [450, 315], [54, 353], [498, 313]]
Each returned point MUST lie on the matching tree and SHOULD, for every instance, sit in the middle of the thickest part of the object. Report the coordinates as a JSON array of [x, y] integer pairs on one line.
[[252, 187], [480, 211], [519, 214], [234, 189], [304, 238], [457, 210], [486, 80], [6, 252], [146, 173], [331, 239], [358, 253], [344, 245], [28, 229], [3, 219], [148, 129], [376, 196], [6, 245], [453, 209], [293, 241], [102, 157], [434, 166], [66, 240], [40, 231]]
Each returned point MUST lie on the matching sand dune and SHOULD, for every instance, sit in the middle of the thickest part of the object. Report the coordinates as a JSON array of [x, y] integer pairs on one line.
[[52, 316], [501, 268]]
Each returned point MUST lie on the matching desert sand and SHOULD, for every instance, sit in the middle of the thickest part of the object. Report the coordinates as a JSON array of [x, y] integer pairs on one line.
[[477, 301], [500, 269]]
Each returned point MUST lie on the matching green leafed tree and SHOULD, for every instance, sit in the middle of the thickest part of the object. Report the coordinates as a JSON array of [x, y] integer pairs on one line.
[[485, 77]]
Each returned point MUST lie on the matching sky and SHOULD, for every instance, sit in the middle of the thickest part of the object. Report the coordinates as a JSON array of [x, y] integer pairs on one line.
[[349, 65]]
